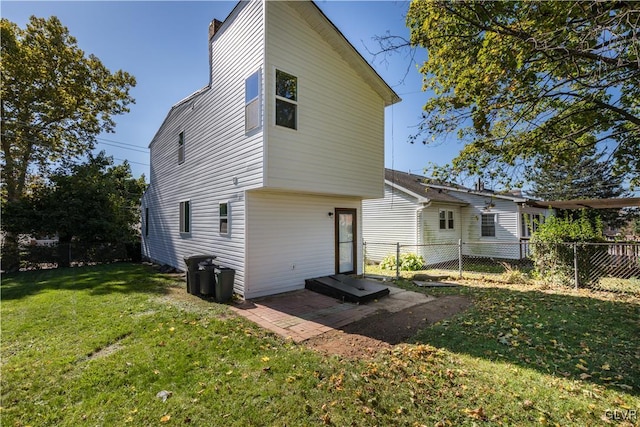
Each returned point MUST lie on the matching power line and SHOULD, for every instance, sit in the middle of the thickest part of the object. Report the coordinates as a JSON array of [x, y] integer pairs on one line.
[[97, 138], [123, 143], [131, 161], [124, 148]]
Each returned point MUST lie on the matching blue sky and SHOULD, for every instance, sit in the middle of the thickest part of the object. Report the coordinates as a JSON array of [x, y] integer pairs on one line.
[[164, 45]]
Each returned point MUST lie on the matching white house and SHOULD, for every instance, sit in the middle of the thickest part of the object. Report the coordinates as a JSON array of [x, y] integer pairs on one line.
[[267, 165], [417, 214]]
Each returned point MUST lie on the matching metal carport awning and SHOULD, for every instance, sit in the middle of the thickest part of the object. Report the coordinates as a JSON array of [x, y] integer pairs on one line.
[[618, 203]]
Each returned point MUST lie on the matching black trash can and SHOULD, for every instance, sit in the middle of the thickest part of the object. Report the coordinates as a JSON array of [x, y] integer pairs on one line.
[[224, 283], [193, 268], [207, 278]]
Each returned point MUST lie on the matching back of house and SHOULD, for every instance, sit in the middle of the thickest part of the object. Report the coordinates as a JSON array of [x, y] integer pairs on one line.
[[430, 219], [267, 165]]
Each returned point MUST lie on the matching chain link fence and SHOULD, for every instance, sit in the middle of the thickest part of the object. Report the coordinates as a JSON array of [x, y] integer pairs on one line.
[[613, 266], [55, 254]]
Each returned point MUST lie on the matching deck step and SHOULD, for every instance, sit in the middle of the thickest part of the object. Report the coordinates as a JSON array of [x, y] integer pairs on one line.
[[347, 288]]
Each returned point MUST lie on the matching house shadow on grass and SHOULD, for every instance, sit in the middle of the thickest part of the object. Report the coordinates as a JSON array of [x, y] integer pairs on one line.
[[577, 337], [96, 279]]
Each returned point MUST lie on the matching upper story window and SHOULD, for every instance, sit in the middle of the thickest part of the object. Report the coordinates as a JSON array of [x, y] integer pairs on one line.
[[286, 100], [488, 226], [446, 220], [180, 147], [252, 102]]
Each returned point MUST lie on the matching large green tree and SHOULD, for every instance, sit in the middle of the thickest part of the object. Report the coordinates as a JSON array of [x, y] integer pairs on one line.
[[54, 102], [588, 177], [54, 99], [91, 202], [521, 81]]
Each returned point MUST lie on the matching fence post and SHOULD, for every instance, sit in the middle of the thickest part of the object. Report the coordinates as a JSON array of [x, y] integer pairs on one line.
[[398, 261], [575, 264], [364, 259], [460, 258]]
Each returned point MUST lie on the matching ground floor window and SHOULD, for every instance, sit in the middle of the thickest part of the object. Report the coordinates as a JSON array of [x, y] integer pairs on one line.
[[488, 225], [185, 216], [224, 217], [446, 220]]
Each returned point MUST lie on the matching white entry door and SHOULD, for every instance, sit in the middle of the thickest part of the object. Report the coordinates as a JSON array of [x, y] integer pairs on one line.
[[346, 238]]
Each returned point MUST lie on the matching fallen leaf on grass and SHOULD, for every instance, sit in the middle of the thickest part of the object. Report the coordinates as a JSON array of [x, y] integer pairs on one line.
[[165, 418], [477, 413]]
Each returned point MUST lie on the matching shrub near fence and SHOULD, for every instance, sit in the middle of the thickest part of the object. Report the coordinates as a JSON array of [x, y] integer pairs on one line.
[[600, 266], [77, 253]]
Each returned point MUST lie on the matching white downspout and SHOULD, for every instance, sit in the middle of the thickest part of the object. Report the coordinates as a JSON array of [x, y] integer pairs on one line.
[[420, 226]]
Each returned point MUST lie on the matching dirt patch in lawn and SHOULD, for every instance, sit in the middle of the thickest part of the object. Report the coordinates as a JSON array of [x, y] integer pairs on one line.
[[383, 330]]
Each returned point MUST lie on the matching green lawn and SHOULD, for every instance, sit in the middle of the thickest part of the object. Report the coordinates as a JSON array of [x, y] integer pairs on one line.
[[95, 345]]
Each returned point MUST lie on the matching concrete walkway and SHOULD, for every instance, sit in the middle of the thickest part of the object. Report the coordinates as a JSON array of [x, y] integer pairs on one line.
[[304, 314]]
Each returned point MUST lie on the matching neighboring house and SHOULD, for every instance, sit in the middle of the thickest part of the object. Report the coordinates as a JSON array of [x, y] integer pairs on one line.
[[266, 167], [415, 213]]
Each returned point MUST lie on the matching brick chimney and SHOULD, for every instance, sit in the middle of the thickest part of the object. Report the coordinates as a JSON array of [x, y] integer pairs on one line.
[[214, 26]]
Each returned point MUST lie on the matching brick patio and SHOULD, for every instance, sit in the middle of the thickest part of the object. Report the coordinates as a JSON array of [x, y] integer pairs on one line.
[[304, 314]]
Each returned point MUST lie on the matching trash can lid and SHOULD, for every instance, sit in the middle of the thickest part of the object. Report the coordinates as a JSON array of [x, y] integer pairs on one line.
[[195, 259], [203, 256]]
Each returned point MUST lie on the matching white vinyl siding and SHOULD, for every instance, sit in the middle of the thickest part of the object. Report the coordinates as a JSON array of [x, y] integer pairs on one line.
[[338, 147], [388, 221], [290, 238], [228, 161]]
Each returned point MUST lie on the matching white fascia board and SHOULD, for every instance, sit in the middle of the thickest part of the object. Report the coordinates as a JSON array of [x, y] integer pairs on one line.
[[478, 193], [420, 199]]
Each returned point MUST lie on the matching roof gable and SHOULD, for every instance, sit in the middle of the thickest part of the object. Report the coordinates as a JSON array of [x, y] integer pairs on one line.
[[317, 20], [176, 107]]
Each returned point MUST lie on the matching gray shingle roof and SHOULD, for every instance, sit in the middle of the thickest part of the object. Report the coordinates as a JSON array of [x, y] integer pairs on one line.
[[416, 185]]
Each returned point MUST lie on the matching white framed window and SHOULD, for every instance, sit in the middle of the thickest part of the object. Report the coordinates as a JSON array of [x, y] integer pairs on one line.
[[530, 223], [488, 225], [446, 220], [252, 110], [223, 213], [286, 100], [146, 221], [185, 216], [181, 147]]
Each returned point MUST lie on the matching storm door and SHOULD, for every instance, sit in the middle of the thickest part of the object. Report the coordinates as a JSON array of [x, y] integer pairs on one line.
[[346, 238]]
